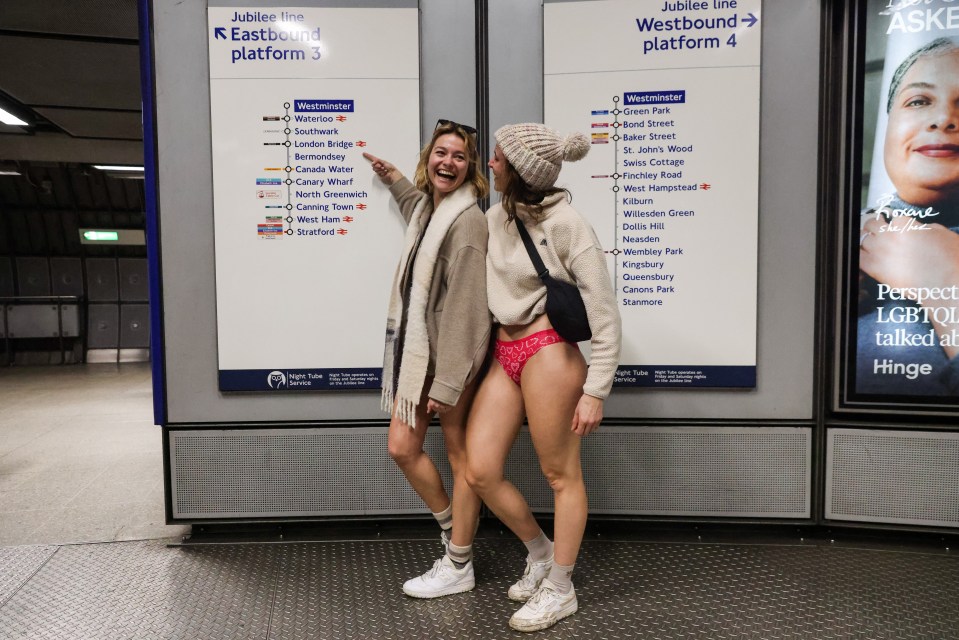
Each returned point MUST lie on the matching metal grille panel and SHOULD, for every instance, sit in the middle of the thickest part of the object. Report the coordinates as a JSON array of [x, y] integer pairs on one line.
[[746, 472], [702, 471], [292, 472], [901, 477]]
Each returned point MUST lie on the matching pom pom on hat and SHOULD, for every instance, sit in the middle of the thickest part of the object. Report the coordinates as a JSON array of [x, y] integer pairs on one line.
[[537, 152], [575, 147]]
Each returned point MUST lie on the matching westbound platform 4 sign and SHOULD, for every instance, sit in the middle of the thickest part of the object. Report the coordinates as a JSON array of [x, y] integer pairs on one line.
[[305, 241], [669, 92]]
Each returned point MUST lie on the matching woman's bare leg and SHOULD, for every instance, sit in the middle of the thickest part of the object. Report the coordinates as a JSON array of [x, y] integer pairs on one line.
[[406, 448], [494, 422], [552, 386], [466, 504]]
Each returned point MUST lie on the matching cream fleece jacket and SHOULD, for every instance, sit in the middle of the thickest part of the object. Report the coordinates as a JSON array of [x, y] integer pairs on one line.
[[571, 251]]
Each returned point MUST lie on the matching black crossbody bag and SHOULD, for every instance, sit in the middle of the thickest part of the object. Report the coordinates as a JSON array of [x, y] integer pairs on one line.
[[564, 304]]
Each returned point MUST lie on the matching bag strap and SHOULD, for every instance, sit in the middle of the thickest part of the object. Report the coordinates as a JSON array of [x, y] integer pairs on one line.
[[541, 269]]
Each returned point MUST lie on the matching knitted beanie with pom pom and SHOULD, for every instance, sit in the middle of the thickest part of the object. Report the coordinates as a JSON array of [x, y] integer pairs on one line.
[[537, 152]]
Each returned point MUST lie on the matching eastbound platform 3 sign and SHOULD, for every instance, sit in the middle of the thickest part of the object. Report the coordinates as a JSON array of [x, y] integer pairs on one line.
[[669, 93], [306, 243]]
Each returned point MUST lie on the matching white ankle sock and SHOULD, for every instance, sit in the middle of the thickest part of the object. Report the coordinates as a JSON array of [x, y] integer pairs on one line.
[[445, 518], [459, 555], [562, 577], [540, 548]]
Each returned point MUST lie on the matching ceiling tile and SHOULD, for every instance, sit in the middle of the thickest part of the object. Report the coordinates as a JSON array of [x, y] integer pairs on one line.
[[70, 73], [103, 18], [90, 123]]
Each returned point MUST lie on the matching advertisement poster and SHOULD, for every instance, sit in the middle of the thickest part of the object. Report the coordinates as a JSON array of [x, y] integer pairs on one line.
[[669, 93], [306, 237], [904, 239]]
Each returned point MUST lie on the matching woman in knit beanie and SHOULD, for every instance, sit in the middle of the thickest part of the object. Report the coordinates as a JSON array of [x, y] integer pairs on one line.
[[540, 375]]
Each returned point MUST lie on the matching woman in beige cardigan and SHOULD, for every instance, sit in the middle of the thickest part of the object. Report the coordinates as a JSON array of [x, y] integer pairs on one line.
[[437, 336]]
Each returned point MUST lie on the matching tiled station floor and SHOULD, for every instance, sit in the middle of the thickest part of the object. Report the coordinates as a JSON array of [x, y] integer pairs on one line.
[[85, 553]]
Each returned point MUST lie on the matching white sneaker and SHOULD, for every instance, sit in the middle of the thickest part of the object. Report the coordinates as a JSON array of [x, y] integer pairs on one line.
[[545, 608], [442, 580], [526, 586]]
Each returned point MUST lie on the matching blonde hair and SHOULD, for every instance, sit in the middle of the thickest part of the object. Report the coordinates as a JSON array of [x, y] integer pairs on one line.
[[473, 174]]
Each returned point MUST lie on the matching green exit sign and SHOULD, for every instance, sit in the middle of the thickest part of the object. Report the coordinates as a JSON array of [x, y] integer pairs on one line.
[[112, 236], [101, 236]]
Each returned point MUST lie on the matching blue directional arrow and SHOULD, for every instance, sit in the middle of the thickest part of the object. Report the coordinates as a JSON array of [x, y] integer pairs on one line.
[[751, 20], [220, 32]]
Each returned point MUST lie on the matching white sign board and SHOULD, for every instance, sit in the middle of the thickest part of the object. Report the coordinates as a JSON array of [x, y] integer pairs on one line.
[[306, 240], [669, 93]]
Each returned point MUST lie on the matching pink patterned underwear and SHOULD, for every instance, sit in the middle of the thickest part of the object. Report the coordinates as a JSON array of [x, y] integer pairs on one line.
[[514, 355]]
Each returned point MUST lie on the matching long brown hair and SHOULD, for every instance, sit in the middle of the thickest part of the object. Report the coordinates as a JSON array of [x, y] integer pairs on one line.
[[517, 191], [473, 175]]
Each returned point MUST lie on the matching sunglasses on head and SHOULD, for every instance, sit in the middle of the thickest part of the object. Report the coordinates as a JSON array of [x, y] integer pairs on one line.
[[443, 123]]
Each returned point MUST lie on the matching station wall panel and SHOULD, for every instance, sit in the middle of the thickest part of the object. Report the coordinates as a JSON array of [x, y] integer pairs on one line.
[[103, 326], [102, 283], [33, 276], [67, 276], [690, 471], [43, 320], [6, 278], [893, 477], [134, 286], [134, 326]]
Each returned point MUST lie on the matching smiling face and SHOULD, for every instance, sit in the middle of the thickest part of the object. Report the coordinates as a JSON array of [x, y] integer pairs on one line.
[[500, 167], [921, 151], [448, 165]]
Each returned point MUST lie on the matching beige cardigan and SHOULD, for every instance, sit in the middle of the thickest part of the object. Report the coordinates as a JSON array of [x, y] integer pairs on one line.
[[458, 320]]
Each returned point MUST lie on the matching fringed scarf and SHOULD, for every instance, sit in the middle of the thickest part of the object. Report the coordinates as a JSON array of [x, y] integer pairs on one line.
[[428, 232]]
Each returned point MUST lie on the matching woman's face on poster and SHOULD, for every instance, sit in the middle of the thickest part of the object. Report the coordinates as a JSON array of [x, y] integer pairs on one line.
[[921, 149]]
